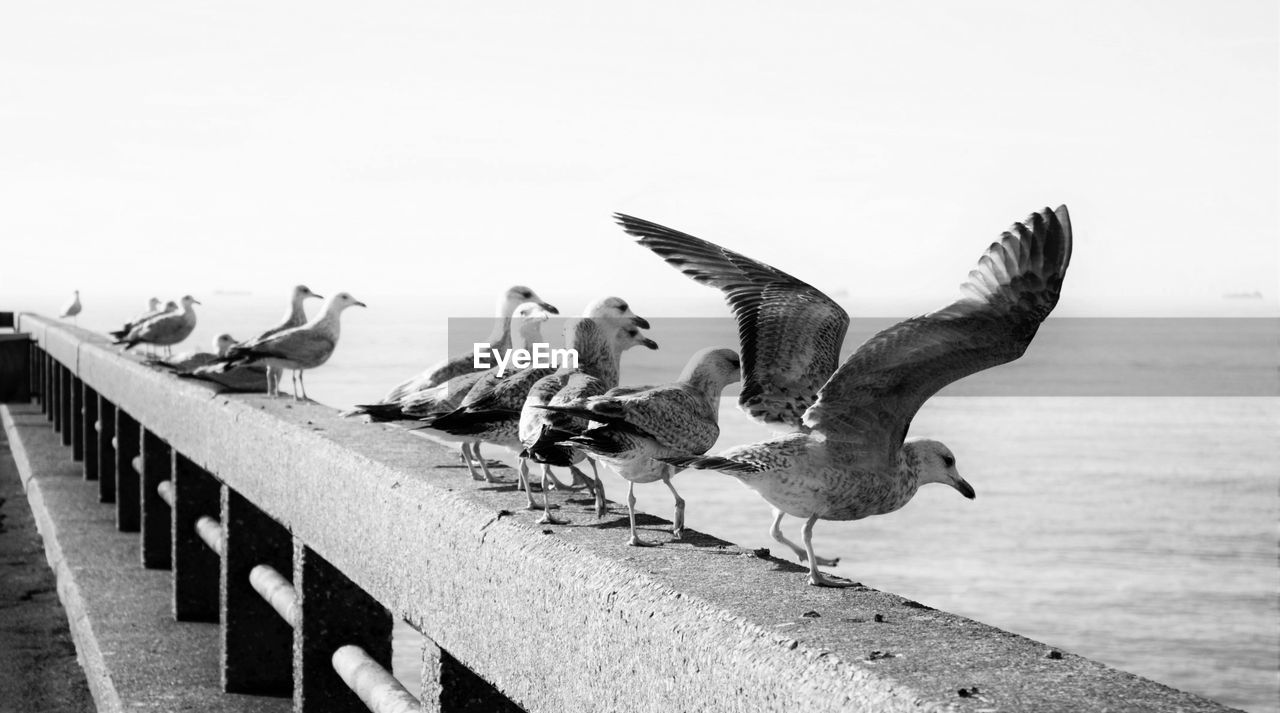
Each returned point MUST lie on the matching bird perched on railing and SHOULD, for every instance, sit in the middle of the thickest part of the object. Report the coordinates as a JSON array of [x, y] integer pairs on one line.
[[599, 363], [165, 329], [205, 367], [847, 456], [499, 341], [631, 426], [299, 348], [190, 361], [153, 309], [295, 316], [72, 308], [491, 413], [436, 400]]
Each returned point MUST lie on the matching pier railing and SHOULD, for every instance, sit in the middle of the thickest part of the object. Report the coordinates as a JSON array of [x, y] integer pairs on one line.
[[304, 536]]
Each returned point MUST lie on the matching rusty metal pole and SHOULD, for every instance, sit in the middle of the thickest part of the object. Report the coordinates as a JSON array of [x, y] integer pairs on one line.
[[89, 446], [106, 451], [335, 612], [257, 645], [157, 467], [128, 501], [196, 568]]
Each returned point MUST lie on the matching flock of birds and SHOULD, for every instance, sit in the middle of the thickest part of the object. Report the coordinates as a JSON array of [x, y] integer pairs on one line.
[[841, 453]]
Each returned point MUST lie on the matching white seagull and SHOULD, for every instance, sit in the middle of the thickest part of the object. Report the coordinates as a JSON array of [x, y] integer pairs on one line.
[[299, 348], [847, 456], [295, 316], [165, 329], [630, 426], [73, 308], [499, 341]]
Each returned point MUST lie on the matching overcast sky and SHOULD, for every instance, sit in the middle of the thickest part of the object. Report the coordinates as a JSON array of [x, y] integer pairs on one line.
[[871, 148]]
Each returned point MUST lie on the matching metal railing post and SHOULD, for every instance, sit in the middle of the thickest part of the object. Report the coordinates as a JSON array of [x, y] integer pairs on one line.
[[257, 645], [106, 451], [128, 500], [196, 568], [77, 429], [66, 412], [157, 467], [335, 612], [51, 388], [89, 436]]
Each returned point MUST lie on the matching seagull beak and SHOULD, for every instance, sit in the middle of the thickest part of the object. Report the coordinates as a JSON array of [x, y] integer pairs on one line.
[[312, 294], [642, 323], [359, 304], [965, 489], [649, 343], [549, 307], [196, 302]]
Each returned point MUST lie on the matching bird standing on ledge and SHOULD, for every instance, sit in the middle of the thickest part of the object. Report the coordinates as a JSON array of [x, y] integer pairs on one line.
[[847, 456]]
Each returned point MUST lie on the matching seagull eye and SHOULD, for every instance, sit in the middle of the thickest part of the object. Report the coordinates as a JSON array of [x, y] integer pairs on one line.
[[948, 461]]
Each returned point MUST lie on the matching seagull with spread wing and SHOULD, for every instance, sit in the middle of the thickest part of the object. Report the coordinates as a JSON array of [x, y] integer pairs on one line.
[[847, 455]]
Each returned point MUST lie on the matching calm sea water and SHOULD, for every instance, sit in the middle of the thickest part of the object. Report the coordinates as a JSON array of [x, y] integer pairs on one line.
[[1140, 531]]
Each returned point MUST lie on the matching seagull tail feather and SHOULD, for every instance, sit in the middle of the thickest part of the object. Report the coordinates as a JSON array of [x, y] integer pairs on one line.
[[549, 448]]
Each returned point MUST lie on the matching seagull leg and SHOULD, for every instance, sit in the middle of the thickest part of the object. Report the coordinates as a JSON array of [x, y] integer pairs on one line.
[[546, 518], [776, 532], [524, 482], [631, 513], [466, 458], [602, 506], [677, 530], [560, 485], [817, 578], [303, 385], [488, 477]]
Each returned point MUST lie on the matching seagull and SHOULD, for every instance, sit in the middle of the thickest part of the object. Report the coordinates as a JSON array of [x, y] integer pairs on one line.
[[153, 310], [846, 456], [298, 348], [190, 361], [165, 329], [631, 426], [492, 413], [295, 317], [443, 398], [499, 341], [246, 379], [73, 308], [599, 359]]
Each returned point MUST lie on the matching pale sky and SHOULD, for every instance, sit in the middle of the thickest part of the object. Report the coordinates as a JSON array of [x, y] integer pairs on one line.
[[871, 148]]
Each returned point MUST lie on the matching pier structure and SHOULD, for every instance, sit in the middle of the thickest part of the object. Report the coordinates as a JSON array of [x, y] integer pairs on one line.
[[239, 552]]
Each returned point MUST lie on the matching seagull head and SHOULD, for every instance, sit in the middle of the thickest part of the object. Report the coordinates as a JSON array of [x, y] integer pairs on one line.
[[631, 336], [615, 311], [933, 462], [719, 365], [518, 295], [153, 304], [302, 292], [529, 318], [170, 306], [343, 300], [222, 343], [188, 300]]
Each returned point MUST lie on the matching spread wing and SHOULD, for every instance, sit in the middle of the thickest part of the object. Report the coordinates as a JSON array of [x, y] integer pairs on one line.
[[790, 331], [881, 386]]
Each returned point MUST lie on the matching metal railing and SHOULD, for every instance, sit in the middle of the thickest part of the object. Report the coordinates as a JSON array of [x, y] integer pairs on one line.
[[305, 536]]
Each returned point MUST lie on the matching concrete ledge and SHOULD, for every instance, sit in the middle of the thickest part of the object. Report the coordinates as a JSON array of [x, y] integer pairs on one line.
[[134, 655], [569, 617]]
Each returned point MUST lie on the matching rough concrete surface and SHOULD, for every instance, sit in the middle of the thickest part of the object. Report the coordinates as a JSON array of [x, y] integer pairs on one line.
[[135, 656], [38, 668]]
